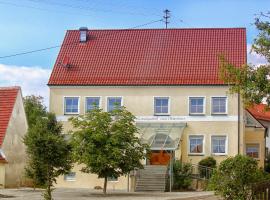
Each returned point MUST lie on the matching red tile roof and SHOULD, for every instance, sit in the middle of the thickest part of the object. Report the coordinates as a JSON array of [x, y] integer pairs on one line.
[[8, 97], [259, 112], [148, 56]]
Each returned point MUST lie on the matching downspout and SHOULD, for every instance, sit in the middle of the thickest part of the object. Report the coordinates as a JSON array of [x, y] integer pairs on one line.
[[238, 95]]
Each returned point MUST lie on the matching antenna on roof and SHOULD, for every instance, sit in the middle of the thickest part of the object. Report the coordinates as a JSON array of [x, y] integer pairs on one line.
[[65, 62], [167, 15]]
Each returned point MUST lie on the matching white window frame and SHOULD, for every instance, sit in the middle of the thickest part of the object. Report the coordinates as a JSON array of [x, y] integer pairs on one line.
[[226, 144], [64, 105], [69, 179], [169, 105], [203, 148], [85, 102], [204, 105], [211, 105], [107, 98], [114, 181], [259, 149]]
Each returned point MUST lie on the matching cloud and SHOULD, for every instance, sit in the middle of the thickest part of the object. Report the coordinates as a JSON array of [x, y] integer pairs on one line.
[[33, 80], [254, 58]]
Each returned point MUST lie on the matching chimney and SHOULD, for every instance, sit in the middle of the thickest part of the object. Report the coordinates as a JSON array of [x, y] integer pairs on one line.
[[83, 34]]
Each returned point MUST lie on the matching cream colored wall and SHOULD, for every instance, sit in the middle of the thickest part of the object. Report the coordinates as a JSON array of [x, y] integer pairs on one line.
[[13, 146], [2, 175], [256, 136], [140, 101]]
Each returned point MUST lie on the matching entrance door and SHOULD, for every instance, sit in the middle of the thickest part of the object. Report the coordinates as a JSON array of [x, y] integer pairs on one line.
[[159, 158]]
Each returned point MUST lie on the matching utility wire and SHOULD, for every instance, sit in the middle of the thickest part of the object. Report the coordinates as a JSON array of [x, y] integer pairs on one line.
[[72, 43]]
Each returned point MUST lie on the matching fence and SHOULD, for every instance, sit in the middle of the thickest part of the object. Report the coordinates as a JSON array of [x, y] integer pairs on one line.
[[261, 191]]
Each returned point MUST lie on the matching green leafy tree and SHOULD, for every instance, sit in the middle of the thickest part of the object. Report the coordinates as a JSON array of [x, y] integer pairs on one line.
[[234, 177], [107, 143], [181, 175], [48, 151], [34, 109], [251, 82]]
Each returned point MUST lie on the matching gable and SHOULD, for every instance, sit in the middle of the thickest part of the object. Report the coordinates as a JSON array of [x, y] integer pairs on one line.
[[148, 56], [8, 97]]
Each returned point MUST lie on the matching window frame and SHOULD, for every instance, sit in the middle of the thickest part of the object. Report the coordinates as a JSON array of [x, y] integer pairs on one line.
[[85, 102], [204, 105], [226, 105], [226, 144], [113, 181], [107, 99], [69, 179], [203, 144], [64, 105], [259, 150], [169, 106]]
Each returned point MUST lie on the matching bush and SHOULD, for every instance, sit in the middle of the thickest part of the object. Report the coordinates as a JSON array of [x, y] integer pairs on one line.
[[182, 175], [208, 162], [234, 176]]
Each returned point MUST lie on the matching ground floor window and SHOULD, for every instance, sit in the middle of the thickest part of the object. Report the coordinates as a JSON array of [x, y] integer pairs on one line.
[[71, 176], [252, 150], [196, 144], [112, 179], [219, 144]]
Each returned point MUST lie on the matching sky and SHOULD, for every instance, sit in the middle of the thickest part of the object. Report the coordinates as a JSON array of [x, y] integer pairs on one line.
[[27, 25]]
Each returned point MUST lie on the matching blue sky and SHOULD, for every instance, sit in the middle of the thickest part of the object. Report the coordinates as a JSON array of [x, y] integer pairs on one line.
[[33, 24]]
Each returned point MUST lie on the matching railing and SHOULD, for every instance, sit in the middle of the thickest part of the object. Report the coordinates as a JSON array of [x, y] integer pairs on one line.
[[201, 172], [260, 191]]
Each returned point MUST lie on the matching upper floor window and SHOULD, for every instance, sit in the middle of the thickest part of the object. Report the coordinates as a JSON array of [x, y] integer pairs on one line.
[[161, 105], [196, 144], [71, 105], [113, 103], [196, 105], [219, 105], [219, 144], [91, 103], [252, 150], [71, 176]]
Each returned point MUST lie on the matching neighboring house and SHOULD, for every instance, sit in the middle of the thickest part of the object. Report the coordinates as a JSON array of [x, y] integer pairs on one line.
[[13, 126], [263, 116], [168, 78]]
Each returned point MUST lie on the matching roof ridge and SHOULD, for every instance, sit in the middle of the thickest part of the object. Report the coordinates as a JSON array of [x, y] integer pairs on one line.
[[10, 88]]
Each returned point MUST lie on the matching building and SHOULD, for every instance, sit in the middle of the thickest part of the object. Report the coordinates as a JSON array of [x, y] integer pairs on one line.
[[168, 78], [13, 126]]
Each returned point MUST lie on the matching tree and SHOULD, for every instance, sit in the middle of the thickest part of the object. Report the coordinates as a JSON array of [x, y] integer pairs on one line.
[[48, 151], [234, 177], [251, 82], [34, 109], [182, 175], [107, 143]]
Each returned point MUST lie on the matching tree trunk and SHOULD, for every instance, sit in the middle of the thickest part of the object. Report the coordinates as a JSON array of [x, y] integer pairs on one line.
[[105, 185]]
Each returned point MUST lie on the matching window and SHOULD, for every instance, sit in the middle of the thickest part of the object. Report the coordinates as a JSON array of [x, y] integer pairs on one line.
[[71, 105], [196, 105], [196, 144], [112, 179], [91, 103], [219, 144], [161, 105], [219, 105], [113, 103], [71, 176], [252, 150]]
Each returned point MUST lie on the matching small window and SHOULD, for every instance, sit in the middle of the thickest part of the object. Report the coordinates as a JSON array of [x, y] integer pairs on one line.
[[196, 105], [112, 179], [252, 150], [71, 176], [161, 105], [71, 105], [92, 102], [195, 144], [219, 105], [219, 144], [113, 103]]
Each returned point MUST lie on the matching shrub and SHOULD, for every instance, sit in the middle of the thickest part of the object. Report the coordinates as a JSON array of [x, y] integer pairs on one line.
[[182, 175], [208, 162], [234, 176]]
